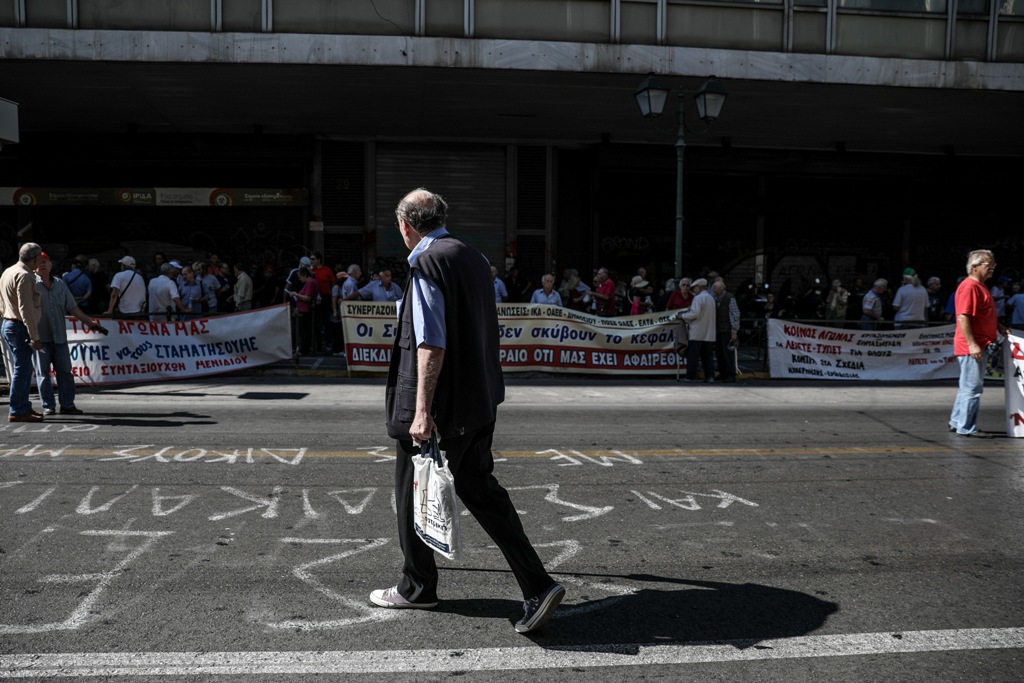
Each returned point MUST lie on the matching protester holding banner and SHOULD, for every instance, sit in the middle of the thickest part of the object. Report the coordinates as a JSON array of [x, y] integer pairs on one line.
[[976, 327], [381, 288], [56, 302], [445, 377], [701, 319]]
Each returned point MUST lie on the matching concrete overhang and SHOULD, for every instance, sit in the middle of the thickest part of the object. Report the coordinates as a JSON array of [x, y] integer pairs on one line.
[[531, 92]]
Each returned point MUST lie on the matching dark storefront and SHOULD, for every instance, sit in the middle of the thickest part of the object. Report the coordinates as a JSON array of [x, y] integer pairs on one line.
[[775, 216]]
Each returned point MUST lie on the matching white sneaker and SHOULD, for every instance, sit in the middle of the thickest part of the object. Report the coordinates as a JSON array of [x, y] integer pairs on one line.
[[391, 598]]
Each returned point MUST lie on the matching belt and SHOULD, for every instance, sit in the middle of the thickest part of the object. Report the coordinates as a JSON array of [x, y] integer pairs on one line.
[[14, 320]]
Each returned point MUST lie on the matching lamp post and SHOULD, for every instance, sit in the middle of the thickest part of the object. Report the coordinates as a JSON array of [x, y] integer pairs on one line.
[[651, 97]]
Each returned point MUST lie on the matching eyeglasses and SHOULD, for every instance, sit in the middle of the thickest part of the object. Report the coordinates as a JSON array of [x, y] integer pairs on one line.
[[986, 264]]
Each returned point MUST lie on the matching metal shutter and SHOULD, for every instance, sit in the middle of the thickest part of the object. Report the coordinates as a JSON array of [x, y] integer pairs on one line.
[[470, 177]]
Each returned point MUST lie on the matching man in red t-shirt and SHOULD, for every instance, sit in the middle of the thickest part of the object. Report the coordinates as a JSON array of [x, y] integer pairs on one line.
[[604, 293], [976, 327]]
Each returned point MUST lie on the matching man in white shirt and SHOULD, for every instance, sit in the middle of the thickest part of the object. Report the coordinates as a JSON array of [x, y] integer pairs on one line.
[[701, 319], [127, 292], [547, 294], [164, 299]]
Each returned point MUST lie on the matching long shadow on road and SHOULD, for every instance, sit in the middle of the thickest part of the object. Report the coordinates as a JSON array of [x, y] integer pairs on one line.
[[149, 421], [705, 611]]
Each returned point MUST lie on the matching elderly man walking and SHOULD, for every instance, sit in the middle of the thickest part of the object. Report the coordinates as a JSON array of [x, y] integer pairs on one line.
[[701, 319], [21, 309], [976, 327], [445, 378]]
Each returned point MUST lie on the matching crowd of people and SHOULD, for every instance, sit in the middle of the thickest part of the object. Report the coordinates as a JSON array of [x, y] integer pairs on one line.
[[170, 289], [916, 302]]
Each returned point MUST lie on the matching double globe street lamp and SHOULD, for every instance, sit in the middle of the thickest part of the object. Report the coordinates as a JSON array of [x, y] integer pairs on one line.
[[651, 96]]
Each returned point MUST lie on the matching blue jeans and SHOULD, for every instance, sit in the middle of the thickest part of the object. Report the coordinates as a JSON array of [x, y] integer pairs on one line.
[[59, 356], [964, 418], [16, 335]]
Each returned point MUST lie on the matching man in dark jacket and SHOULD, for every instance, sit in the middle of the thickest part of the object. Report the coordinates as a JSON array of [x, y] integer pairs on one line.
[[445, 378]]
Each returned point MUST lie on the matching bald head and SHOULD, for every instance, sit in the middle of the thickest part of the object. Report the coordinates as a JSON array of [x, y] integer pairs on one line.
[[423, 210]]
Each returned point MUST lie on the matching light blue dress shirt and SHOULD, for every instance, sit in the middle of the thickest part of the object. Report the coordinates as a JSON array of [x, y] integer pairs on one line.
[[427, 301], [375, 291], [500, 292], [553, 299]]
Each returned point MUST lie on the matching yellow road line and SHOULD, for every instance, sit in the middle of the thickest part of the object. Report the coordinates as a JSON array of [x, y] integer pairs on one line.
[[43, 452]]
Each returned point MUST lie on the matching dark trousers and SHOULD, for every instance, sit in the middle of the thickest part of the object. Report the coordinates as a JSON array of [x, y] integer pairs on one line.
[[702, 352], [724, 355], [321, 324], [470, 460], [304, 332]]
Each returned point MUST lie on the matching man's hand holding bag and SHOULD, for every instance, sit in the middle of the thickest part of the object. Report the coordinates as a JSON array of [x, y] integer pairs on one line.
[[436, 516]]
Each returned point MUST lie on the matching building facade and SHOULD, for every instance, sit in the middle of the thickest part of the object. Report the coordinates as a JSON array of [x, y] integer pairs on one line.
[[859, 136]]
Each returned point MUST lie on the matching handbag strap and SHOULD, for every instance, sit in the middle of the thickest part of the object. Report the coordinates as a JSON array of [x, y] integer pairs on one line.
[[433, 450], [121, 296]]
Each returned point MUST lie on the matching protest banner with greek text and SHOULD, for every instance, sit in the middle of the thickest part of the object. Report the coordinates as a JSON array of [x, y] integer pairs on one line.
[[143, 350], [536, 337], [797, 350], [1013, 362]]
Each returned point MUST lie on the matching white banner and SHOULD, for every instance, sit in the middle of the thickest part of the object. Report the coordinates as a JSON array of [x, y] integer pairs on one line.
[[143, 350], [796, 350], [1013, 363], [537, 337]]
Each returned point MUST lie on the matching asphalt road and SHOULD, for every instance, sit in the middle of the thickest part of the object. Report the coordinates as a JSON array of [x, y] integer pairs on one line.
[[765, 531]]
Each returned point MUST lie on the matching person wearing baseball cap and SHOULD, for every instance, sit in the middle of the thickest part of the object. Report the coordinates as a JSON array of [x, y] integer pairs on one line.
[[700, 319], [127, 292]]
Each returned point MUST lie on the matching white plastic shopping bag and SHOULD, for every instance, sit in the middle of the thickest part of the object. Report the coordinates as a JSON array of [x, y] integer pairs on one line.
[[436, 508]]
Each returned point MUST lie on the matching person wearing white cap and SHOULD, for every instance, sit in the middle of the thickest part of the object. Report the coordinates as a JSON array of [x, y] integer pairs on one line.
[[700, 317], [127, 292]]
